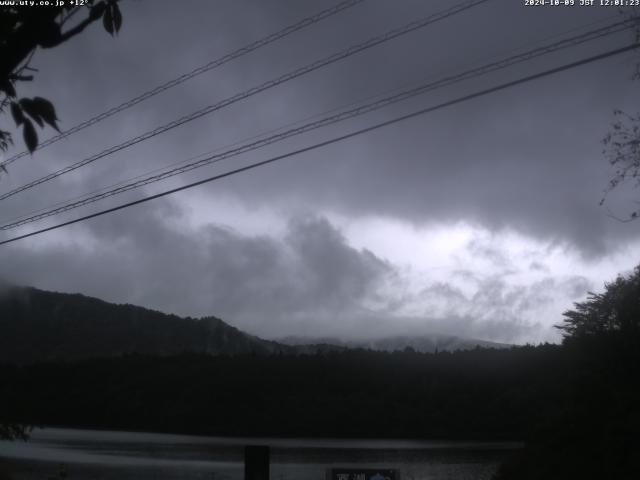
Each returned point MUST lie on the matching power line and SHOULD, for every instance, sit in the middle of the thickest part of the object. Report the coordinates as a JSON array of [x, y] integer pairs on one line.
[[410, 27], [291, 124], [337, 139], [341, 116], [305, 22]]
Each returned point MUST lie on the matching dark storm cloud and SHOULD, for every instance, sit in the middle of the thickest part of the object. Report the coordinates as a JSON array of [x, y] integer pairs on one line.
[[526, 160]]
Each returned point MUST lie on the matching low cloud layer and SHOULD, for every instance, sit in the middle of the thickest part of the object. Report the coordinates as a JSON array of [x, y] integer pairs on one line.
[[254, 281], [308, 281]]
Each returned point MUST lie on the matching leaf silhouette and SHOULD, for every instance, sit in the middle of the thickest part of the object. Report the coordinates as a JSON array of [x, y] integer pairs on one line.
[[107, 20], [8, 88], [47, 111], [117, 17], [97, 11], [17, 114], [31, 108], [30, 135]]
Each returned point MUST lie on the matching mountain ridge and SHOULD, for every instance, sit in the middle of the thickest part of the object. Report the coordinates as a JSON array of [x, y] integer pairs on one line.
[[39, 326], [428, 343], [64, 326]]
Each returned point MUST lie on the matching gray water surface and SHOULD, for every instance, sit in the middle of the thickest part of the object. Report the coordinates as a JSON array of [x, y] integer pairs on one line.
[[109, 455]]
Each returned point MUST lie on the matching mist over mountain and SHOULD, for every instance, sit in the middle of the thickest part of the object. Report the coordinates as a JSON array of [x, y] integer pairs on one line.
[[423, 344]]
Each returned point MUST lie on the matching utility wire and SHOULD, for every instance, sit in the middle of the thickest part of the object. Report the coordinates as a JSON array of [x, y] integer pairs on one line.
[[344, 115], [290, 124], [305, 22], [123, 187], [281, 128], [410, 27], [371, 128]]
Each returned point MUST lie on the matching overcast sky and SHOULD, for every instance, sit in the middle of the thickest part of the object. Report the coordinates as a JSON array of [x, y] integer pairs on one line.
[[480, 220]]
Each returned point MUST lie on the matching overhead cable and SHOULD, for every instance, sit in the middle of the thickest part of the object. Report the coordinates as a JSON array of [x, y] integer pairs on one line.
[[334, 140], [329, 120], [410, 27], [305, 22]]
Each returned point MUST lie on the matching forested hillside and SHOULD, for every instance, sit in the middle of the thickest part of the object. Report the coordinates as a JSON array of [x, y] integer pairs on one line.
[[37, 325]]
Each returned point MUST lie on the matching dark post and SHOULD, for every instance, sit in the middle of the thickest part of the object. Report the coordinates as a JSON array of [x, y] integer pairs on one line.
[[256, 462]]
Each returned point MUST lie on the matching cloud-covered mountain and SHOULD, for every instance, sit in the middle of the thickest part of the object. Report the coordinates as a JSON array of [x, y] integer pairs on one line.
[[424, 344]]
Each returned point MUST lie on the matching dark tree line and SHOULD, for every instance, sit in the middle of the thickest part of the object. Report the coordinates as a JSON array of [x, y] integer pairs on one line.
[[596, 435], [482, 393]]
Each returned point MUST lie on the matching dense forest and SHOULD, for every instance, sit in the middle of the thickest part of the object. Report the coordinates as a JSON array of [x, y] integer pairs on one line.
[[594, 431], [472, 394]]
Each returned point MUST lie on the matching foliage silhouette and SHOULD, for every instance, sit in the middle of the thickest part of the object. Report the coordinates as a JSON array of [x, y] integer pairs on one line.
[[622, 143], [595, 432], [616, 311], [23, 29]]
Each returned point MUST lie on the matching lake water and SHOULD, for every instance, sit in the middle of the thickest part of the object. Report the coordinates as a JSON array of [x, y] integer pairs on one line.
[[106, 455]]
